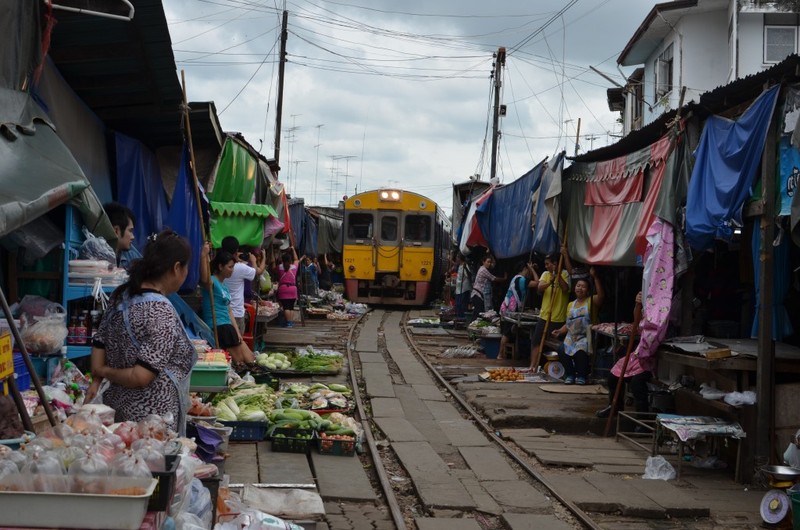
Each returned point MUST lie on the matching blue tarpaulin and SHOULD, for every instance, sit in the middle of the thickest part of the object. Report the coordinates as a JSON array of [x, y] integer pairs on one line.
[[727, 160], [139, 187], [505, 217], [545, 236], [184, 220], [309, 247], [781, 283], [297, 215]]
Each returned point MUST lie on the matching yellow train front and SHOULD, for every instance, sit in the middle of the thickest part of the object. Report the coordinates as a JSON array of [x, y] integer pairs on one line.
[[395, 247]]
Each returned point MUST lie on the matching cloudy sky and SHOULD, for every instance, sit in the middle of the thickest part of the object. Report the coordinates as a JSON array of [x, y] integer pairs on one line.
[[381, 93]]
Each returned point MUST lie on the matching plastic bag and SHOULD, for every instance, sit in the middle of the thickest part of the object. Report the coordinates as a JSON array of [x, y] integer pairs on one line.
[[711, 392], [46, 335], [657, 467], [90, 464], [200, 503], [38, 306], [129, 465], [7, 467], [737, 399], [265, 282], [96, 248], [103, 412]]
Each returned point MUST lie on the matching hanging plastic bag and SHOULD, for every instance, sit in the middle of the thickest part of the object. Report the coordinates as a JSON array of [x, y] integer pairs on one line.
[[657, 467], [265, 283], [96, 248]]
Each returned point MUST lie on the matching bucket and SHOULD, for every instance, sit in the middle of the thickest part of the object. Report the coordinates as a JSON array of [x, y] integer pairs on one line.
[[491, 347]]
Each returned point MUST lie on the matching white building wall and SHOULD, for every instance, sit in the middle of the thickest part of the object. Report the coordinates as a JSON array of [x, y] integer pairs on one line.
[[751, 43], [700, 61]]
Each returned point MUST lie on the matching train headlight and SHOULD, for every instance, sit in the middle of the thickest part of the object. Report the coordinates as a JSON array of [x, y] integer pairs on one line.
[[423, 271], [351, 268], [389, 195]]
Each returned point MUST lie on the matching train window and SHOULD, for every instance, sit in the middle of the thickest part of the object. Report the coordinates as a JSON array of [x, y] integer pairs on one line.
[[389, 229], [359, 225], [418, 228]]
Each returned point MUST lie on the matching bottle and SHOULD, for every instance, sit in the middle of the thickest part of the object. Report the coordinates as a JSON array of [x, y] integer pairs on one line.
[[80, 329], [73, 323], [95, 319]]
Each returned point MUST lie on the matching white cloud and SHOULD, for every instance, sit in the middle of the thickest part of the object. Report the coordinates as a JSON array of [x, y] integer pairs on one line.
[[403, 89]]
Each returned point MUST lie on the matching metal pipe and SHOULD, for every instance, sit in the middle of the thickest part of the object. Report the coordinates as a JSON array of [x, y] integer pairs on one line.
[[80, 10]]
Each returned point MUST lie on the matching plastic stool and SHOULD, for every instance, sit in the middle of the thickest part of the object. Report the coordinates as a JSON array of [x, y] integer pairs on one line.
[[510, 351]]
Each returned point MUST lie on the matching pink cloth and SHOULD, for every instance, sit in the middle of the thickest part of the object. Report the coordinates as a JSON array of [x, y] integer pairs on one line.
[[659, 275]]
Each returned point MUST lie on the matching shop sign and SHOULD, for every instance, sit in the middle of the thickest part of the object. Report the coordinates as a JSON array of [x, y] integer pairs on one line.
[[6, 356]]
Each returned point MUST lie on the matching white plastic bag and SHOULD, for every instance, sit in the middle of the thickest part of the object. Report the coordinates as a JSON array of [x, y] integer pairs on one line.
[[737, 399], [657, 467]]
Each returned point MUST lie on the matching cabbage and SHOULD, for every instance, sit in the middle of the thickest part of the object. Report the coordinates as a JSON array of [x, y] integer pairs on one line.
[[252, 414], [224, 412]]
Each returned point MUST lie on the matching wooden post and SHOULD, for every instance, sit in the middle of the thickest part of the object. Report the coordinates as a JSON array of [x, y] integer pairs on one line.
[[535, 362], [765, 364], [637, 317], [196, 186]]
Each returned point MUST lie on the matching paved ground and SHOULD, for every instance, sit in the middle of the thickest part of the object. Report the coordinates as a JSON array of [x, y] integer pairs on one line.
[[463, 482]]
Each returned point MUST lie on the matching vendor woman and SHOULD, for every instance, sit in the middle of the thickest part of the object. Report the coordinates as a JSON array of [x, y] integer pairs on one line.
[[141, 347]]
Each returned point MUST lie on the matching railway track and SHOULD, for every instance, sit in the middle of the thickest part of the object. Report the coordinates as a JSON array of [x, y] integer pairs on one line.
[[419, 506]]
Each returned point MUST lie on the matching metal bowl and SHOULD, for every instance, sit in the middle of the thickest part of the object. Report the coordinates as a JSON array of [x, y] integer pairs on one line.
[[782, 472]]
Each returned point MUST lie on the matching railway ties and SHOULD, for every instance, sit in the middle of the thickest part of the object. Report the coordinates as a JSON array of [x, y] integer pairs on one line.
[[445, 471]]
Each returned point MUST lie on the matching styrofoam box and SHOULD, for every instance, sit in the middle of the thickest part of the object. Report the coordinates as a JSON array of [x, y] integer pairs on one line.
[[76, 510]]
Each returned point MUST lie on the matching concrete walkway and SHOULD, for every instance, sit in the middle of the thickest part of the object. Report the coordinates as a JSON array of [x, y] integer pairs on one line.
[[454, 467]]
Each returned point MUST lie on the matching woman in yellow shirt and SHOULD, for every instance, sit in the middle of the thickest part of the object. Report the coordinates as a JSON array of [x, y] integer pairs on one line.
[[555, 295]]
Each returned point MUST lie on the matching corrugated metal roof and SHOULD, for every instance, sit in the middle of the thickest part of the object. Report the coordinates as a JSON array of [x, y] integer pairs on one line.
[[125, 72]]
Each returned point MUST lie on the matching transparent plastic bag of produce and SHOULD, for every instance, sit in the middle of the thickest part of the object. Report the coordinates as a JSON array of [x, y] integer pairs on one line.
[[46, 335], [96, 248]]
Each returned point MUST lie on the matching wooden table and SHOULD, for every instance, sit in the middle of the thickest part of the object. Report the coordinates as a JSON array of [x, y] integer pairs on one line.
[[686, 428]]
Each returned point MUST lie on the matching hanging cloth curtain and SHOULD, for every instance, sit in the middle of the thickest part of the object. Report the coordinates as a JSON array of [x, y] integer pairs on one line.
[[727, 160]]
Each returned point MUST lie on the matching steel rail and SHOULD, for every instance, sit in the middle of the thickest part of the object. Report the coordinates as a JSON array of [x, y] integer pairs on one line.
[[582, 516], [386, 486]]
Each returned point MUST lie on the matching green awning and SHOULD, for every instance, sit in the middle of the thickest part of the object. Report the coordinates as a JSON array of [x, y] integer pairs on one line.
[[37, 171], [245, 221]]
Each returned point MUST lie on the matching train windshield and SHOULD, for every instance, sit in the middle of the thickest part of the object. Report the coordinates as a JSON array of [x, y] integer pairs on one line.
[[418, 228], [389, 228], [359, 225]]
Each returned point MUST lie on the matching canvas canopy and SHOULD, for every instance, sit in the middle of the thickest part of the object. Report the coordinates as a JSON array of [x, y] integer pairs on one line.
[[37, 171], [245, 221], [610, 205], [505, 217]]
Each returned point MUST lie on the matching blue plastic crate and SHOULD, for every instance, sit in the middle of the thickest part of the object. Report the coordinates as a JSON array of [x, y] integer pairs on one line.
[[21, 372]]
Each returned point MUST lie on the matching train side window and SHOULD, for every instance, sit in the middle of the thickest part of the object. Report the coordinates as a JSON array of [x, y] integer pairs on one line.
[[359, 225], [389, 229], [418, 228]]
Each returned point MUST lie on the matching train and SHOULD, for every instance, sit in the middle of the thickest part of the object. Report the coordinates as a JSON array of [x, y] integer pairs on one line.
[[395, 248]]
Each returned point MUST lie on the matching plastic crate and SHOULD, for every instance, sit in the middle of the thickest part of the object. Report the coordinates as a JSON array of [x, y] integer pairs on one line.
[[209, 376], [288, 440], [165, 488], [266, 379], [326, 446], [247, 431], [21, 373]]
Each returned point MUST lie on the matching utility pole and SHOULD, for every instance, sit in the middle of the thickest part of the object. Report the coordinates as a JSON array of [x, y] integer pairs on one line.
[[499, 63], [281, 69], [316, 168], [578, 137]]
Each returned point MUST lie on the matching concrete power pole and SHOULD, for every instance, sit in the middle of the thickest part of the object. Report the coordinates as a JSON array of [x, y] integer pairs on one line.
[[499, 63], [281, 69]]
